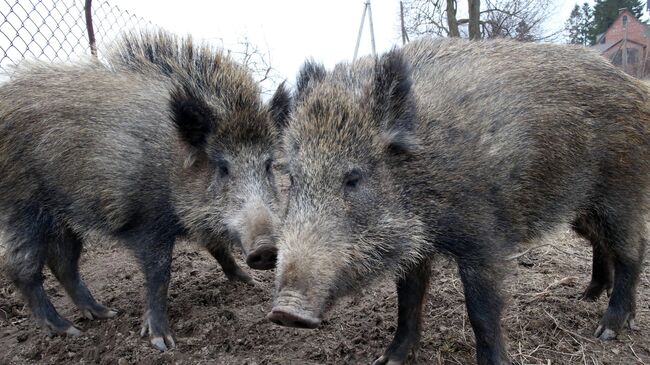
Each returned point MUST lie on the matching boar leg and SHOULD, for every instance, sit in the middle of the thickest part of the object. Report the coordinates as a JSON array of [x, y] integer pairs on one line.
[[483, 301], [626, 239], [602, 274], [222, 253], [411, 295], [63, 261], [29, 232], [155, 260]]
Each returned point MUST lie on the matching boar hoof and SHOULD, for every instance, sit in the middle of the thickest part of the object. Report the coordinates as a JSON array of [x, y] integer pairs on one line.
[[160, 341], [604, 334], [73, 331], [610, 325], [384, 360], [242, 276], [100, 312], [594, 291], [61, 327], [163, 344], [631, 324]]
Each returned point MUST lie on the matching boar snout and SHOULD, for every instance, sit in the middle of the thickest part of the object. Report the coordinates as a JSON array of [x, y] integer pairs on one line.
[[263, 256], [254, 225], [290, 310]]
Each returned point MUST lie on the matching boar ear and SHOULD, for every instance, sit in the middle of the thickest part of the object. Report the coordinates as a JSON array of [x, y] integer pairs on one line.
[[280, 106], [310, 73], [192, 116], [394, 105]]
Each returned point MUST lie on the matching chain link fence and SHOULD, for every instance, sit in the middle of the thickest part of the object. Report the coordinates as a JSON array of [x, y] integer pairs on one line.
[[56, 30]]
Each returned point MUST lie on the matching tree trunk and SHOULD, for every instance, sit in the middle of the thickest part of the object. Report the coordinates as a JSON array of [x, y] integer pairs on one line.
[[451, 19], [474, 19]]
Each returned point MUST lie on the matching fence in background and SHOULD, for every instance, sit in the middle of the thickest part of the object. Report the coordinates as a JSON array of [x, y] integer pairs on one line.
[[57, 30]]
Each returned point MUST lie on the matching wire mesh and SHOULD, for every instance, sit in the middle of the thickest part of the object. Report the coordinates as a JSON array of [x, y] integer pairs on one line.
[[55, 30]]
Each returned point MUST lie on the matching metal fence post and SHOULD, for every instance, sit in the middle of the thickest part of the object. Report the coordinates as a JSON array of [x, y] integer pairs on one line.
[[54, 30], [89, 27]]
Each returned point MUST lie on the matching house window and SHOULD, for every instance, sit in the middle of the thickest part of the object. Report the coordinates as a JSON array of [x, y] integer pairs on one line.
[[618, 58], [624, 20], [632, 57]]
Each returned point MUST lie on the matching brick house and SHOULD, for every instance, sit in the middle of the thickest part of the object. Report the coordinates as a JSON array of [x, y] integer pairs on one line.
[[628, 34]]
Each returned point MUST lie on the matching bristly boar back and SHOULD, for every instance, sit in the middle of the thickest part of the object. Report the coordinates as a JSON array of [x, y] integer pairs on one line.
[[168, 138], [465, 149]]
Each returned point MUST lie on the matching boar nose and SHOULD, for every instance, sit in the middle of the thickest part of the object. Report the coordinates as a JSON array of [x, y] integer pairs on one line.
[[286, 316], [264, 255]]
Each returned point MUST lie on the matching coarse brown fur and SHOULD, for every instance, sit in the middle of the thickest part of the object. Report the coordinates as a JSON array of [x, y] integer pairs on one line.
[[166, 139], [466, 149]]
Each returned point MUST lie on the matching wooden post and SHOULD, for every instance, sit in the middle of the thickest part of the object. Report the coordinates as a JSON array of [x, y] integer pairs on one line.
[[645, 62], [363, 18], [372, 30], [366, 9], [624, 50]]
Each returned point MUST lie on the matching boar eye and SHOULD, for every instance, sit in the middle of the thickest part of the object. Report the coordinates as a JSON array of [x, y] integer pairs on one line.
[[268, 165], [352, 179], [223, 168]]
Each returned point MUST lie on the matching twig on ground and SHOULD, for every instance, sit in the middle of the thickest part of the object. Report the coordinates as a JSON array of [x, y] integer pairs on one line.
[[18, 321], [568, 254], [518, 255], [564, 281], [634, 352], [557, 325]]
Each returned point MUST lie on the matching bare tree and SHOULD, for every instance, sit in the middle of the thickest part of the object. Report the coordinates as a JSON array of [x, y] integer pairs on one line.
[[452, 23], [426, 17], [474, 19], [519, 19], [258, 60]]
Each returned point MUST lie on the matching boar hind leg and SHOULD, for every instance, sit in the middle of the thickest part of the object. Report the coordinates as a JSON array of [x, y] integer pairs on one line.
[[222, 253], [625, 236], [155, 257], [411, 295], [590, 227], [63, 260], [481, 284], [29, 233]]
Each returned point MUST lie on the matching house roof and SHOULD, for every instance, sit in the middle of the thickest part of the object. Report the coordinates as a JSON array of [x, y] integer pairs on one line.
[[604, 47]]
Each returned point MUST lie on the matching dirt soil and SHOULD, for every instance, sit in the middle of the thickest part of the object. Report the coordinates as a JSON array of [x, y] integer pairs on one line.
[[219, 322]]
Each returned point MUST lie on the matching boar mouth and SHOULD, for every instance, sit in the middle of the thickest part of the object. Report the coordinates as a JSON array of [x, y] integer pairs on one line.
[[262, 253], [291, 310], [288, 317], [263, 256]]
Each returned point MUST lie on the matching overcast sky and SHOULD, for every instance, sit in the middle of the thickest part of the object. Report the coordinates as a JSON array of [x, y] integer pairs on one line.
[[291, 29]]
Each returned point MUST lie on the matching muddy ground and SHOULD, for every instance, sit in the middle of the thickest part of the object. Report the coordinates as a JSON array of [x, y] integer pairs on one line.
[[219, 322]]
